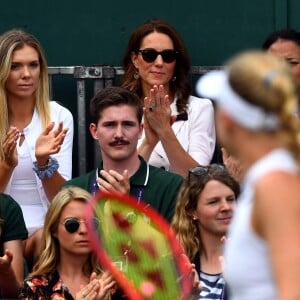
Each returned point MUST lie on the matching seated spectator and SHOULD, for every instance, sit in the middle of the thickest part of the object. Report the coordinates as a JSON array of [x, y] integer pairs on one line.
[[36, 135], [66, 268], [285, 44], [204, 209], [12, 233], [116, 125], [179, 129]]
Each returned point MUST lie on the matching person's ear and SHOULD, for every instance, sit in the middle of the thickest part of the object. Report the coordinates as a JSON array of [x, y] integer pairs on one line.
[[54, 233], [141, 130], [192, 215], [93, 131], [134, 59]]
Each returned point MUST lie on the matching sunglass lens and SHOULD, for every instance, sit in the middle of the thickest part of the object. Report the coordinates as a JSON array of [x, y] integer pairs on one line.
[[72, 225], [199, 170], [217, 166], [168, 56], [149, 55]]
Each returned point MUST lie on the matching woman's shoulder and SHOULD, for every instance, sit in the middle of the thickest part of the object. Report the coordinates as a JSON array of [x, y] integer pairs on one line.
[[200, 107], [58, 106], [59, 109], [279, 181], [197, 101]]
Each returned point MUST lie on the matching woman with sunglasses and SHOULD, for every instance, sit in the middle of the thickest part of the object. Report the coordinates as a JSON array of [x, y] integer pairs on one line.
[[66, 268], [204, 209], [256, 97], [179, 131]]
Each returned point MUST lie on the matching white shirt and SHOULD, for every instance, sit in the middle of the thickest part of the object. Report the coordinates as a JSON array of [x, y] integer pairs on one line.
[[196, 135], [24, 185]]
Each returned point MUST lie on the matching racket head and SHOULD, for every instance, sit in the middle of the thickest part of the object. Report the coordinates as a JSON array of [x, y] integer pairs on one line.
[[138, 247]]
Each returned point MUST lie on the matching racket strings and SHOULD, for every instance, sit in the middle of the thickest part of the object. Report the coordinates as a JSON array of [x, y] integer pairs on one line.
[[138, 248]]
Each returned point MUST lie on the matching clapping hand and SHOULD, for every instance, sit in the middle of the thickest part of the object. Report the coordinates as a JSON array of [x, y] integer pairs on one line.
[[112, 181], [157, 109], [106, 282], [49, 142], [195, 280], [10, 147], [232, 164], [150, 135], [97, 288]]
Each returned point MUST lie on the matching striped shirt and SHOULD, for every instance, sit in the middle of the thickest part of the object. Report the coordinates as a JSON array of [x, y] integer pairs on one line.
[[212, 286]]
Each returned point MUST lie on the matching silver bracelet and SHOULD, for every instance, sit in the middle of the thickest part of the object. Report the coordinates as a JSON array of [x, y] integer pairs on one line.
[[47, 170]]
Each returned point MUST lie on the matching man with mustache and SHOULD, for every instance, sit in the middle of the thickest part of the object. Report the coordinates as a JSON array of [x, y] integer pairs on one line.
[[116, 115]]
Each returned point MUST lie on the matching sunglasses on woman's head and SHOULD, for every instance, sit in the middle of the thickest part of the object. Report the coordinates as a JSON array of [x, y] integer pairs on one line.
[[201, 170], [150, 55], [72, 224]]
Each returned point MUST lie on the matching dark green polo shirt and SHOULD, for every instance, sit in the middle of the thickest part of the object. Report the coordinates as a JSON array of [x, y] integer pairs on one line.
[[153, 185]]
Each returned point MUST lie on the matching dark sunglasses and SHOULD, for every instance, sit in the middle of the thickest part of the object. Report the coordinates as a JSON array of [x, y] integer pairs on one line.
[[150, 55], [72, 224], [201, 170]]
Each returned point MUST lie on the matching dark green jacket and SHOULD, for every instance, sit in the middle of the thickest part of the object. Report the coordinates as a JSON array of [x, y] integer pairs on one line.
[[159, 189]]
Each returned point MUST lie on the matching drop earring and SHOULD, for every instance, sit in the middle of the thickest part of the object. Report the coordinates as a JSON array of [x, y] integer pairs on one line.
[[174, 78], [136, 74]]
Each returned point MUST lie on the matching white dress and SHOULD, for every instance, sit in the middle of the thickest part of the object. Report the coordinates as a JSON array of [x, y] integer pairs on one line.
[[248, 270], [196, 134]]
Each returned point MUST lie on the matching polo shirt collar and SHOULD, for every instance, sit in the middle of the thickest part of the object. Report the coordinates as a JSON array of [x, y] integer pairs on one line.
[[139, 178]]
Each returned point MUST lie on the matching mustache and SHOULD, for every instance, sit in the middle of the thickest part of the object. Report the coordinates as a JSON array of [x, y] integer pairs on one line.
[[119, 142]]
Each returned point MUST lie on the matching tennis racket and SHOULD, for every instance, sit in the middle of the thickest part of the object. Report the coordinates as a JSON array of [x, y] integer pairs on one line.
[[138, 247]]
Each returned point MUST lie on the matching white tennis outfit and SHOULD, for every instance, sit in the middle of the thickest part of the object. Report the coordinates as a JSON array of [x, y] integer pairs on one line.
[[248, 271]]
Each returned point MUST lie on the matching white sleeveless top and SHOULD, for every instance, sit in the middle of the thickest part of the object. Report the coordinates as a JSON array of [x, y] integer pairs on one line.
[[248, 270]]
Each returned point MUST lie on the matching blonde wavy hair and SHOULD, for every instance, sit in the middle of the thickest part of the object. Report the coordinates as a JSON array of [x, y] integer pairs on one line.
[[9, 42], [187, 229], [50, 253], [267, 81]]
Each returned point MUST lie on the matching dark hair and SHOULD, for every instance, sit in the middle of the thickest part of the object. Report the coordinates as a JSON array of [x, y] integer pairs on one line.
[[284, 34], [181, 86], [113, 96]]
